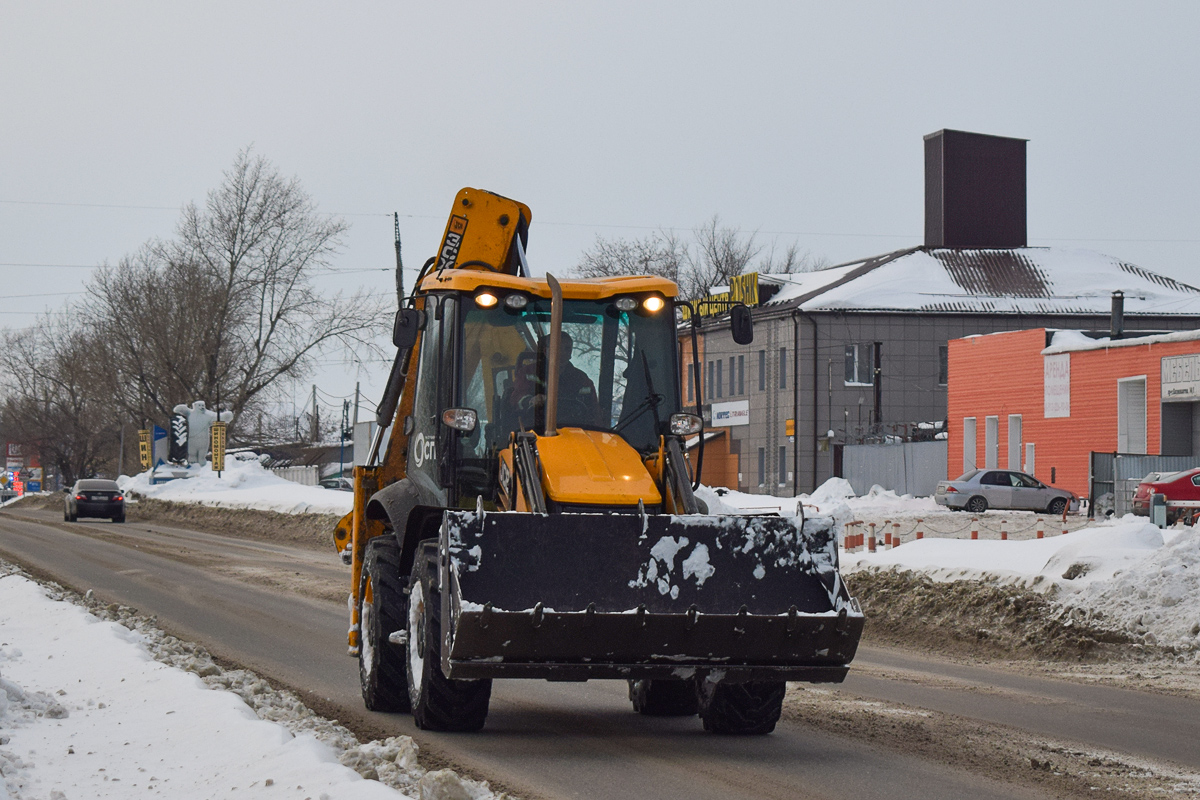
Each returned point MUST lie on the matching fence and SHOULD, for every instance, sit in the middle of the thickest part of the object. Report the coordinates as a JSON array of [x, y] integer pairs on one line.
[[308, 476], [1114, 477], [908, 468]]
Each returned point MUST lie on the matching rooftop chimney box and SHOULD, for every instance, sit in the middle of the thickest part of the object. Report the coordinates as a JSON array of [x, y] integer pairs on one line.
[[974, 190]]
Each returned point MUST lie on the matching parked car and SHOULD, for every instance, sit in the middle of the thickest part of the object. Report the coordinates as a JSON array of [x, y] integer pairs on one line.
[[340, 484], [93, 497], [981, 489], [1182, 490]]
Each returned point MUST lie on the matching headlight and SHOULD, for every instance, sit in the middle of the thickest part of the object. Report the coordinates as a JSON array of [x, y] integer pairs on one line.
[[486, 299], [516, 301], [653, 304]]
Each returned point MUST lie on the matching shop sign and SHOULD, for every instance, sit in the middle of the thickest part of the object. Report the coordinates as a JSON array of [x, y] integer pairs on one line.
[[725, 415], [1056, 381], [1181, 377]]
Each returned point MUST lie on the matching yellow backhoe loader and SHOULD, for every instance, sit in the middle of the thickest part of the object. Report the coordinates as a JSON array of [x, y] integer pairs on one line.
[[533, 514]]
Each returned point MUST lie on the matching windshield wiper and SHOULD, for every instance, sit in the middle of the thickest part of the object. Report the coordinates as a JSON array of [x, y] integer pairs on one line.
[[651, 401]]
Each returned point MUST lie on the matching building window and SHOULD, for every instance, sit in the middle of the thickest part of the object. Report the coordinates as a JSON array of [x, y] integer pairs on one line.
[[783, 470], [783, 368], [719, 382], [708, 384], [762, 466], [1131, 415], [943, 365], [860, 364], [762, 370], [991, 442], [732, 376], [741, 375]]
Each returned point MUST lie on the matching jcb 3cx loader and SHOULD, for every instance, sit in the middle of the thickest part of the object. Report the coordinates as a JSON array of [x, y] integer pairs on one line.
[[533, 514]]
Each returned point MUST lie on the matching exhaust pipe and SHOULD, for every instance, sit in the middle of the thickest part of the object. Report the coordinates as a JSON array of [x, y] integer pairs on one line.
[[556, 320]]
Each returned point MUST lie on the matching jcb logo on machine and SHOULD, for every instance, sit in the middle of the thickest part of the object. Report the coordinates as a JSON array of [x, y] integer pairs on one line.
[[454, 237], [423, 450]]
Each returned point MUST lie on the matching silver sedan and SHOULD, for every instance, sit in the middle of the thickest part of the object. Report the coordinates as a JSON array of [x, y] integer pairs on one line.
[[981, 489]]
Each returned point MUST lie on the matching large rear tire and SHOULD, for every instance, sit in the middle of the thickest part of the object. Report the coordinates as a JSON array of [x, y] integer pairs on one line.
[[664, 698], [383, 611], [438, 703], [741, 708]]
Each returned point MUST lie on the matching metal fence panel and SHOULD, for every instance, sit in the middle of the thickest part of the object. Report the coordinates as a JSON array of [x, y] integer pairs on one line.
[[308, 476], [909, 468]]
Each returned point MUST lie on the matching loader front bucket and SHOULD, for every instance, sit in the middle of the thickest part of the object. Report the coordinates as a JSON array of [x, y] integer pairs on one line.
[[578, 596]]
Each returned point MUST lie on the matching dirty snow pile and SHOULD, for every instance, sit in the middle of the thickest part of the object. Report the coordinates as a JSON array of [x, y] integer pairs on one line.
[[104, 705], [243, 484], [1141, 579], [835, 498]]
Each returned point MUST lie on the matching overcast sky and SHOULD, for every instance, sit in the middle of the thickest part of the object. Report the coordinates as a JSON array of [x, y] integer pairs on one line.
[[802, 121]]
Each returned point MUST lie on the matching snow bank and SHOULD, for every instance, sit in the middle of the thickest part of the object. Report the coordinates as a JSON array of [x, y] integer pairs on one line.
[[86, 712], [245, 484]]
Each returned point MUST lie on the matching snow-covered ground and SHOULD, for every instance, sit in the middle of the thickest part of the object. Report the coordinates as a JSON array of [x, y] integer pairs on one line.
[[1144, 580], [90, 708], [244, 484]]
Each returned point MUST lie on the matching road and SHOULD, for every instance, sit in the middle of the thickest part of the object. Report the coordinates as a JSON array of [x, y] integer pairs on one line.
[[274, 609]]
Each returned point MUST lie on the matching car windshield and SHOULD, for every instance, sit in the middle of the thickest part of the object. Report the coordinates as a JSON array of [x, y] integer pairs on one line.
[[966, 476], [617, 370]]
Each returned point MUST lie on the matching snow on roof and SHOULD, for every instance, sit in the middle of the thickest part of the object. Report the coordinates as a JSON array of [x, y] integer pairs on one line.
[[1070, 341], [1028, 280]]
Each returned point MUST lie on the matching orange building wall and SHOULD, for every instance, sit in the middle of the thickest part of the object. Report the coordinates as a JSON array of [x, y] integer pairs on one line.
[[1002, 374]]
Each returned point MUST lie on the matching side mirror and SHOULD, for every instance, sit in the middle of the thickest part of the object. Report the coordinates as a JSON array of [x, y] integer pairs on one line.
[[741, 324], [408, 322]]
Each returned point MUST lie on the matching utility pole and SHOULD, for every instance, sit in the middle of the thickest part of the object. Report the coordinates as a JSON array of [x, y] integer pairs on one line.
[[120, 457], [399, 265], [356, 385], [342, 454], [316, 422]]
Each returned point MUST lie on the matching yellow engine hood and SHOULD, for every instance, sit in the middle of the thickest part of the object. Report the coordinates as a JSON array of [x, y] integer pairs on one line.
[[594, 468]]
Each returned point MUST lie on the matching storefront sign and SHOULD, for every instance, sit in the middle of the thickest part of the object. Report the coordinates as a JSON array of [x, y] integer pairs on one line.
[[725, 415], [1181, 377], [1057, 385], [742, 289]]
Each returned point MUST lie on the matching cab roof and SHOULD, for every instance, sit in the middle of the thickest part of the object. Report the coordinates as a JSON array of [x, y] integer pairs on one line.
[[468, 280]]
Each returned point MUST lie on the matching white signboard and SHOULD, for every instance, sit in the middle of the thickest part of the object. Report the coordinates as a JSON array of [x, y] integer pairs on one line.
[[725, 415], [1181, 377], [1057, 384]]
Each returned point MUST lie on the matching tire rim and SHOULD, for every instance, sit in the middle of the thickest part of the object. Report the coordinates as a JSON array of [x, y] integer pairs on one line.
[[416, 639]]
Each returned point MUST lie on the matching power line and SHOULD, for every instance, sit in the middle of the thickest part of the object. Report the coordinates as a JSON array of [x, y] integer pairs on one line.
[[51, 294]]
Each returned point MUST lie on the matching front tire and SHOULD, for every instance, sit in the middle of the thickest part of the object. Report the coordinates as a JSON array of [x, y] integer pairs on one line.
[[438, 703], [740, 709], [1057, 507], [382, 612], [664, 698], [977, 505]]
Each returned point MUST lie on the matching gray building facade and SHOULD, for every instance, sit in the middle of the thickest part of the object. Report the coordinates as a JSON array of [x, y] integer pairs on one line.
[[857, 353]]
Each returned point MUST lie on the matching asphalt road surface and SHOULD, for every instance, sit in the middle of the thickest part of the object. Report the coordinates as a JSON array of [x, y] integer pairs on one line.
[[268, 607]]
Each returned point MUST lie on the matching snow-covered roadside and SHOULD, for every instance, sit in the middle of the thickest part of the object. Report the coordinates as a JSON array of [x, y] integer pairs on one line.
[[1142, 580], [104, 705], [244, 484]]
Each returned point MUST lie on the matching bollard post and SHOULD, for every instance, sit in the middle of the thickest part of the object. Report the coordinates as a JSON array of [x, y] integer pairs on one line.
[[920, 533], [895, 534], [1003, 530], [871, 539], [974, 527], [887, 534], [1041, 534]]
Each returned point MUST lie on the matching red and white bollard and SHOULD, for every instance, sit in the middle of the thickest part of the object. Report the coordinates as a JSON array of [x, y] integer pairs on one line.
[[895, 534], [974, 527], [871, 539], [1003, 530], [887, 534], [920, 533], [1041, 534]]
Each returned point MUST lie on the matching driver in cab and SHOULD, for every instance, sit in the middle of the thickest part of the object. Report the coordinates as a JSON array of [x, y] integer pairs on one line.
[[577, 403]]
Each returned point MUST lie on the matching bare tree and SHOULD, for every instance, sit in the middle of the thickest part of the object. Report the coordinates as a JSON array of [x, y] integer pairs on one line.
[[715, 254], [228, 307], [50, 404]]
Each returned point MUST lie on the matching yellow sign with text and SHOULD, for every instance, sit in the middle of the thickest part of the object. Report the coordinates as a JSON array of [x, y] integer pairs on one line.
[[218, 446], [742, 289], [144, 448]]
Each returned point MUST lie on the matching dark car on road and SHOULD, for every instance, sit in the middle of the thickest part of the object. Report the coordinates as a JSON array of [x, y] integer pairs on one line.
[[93, 497], [981, 489]]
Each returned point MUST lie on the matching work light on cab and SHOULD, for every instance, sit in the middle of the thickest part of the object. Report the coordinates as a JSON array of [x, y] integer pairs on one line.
[[485, 299]]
